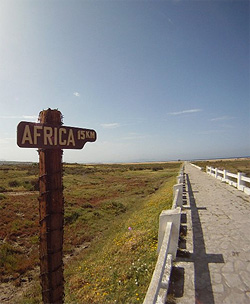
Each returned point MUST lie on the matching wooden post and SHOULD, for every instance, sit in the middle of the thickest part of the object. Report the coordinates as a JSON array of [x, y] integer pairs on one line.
[[51, 210], [50, 138]]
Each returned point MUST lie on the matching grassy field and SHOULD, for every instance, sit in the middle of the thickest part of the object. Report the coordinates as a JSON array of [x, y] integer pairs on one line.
[[232, 165], [110, 210]]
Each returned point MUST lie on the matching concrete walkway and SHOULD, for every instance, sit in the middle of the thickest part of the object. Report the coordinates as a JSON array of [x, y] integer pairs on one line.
[[214, 264]]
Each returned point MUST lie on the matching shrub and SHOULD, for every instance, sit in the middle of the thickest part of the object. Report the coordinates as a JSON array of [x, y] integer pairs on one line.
[[2, 196], [71, 217], [115, 207], [14, 183], [87, 205], [35, 184], [2, 189], [157, 168], [8, 257]]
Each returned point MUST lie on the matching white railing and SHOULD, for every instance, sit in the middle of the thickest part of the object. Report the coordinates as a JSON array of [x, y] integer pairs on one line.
[[239, 180], [197, 167], [169, 229]]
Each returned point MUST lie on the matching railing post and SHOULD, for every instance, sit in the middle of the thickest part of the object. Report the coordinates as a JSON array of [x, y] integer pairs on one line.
[[209, 170], [178, 201], [180, 179], [225, 175], [240, 183], [165, 217], [178, 187], [216, 172], [152, 294]]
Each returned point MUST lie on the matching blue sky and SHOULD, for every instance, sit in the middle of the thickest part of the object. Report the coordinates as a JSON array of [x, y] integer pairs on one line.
[[157, 80]]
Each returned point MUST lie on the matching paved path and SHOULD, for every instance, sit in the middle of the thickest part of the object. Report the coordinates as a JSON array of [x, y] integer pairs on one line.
[[216, 266]]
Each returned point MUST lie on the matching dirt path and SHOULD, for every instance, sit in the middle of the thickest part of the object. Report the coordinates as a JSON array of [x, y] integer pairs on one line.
[[217, 270], [17, 193], [12, 291]]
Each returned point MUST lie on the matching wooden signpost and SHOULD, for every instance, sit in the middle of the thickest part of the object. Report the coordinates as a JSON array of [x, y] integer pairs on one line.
[[50, 137]]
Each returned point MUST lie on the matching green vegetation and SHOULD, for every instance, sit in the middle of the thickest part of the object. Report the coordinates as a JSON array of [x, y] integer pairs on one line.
[[117, 268], [233, 166], [111, 227], [19, 177], [112, 210], [11, 260], [2, 196]]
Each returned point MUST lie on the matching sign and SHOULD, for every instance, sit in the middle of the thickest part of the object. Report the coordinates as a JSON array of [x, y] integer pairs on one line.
[[50, 136], [37, 135]]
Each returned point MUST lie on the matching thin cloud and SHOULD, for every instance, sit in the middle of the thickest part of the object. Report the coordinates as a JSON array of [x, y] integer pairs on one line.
[[134, 136], [110, 125], [185, 112], [222, 118], [30, 116], [170, 21], [76, 94], [33, 117], [9, 117], [208, 132]]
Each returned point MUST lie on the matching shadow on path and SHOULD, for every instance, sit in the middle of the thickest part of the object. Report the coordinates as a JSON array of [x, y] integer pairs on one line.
[[201, 260]]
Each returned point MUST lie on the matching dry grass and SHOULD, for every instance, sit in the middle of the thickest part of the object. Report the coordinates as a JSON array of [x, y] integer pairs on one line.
[[101, 202], [232, 165]]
